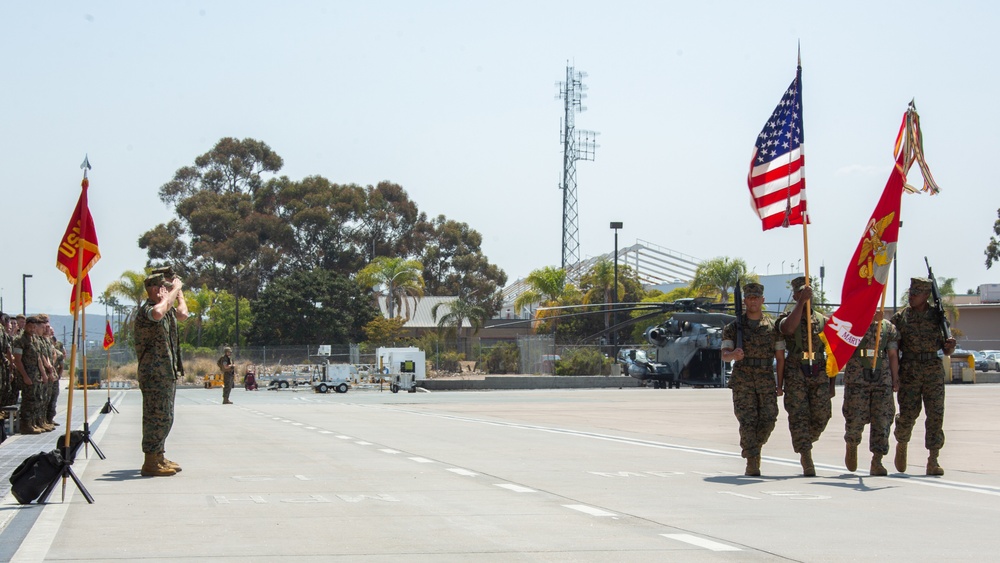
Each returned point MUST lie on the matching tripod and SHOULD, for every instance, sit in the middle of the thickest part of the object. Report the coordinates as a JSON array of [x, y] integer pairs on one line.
[[65, 471], [86, 440], [108, 407]]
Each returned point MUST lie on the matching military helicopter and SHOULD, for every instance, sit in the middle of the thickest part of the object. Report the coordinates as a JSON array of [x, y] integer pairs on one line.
[[686, 348]]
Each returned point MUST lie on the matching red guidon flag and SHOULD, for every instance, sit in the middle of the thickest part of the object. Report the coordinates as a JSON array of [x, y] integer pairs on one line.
[[86, 295], [80, 236], [109, 337], [866, 275], [777, 170]]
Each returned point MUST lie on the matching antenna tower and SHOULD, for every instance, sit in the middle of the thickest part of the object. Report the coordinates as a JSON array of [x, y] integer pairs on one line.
[[577, 145]]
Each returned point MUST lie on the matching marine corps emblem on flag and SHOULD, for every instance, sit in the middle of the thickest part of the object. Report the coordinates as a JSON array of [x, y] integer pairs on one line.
[[876, 255]]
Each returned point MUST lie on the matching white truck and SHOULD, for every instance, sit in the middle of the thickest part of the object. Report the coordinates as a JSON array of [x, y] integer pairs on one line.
[[333, 376], [402, 366]]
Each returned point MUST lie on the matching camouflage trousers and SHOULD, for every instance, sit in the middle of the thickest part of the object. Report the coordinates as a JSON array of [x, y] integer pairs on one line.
[[807, 402], [157, 411], [914, 389], [227, 385], [52, 400], [31, 401], [868, 402], [756, 406]]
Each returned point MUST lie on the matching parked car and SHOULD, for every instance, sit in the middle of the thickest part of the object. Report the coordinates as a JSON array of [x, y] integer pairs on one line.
[[986, 362]]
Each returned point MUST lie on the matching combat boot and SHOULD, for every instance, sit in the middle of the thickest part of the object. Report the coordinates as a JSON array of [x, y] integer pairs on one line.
[[932, 464], [900, 461], [151, 467], [167, 463], [753, 466], [29, 428], [808, 469], [877, 469], [851, 458]]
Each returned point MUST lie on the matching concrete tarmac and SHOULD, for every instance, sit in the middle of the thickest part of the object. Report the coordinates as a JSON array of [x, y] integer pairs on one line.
[[541, 475]]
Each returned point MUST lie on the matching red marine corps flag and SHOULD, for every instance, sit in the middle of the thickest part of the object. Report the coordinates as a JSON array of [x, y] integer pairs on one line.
[[777, 171], [80, 237], [866, 275], [86, 295], [109, 337]]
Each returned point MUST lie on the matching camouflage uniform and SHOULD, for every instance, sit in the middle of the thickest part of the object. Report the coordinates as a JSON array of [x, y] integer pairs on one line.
[[754, 399], [155, 348], [8, 393], [868, 392], [26, 345], [807, 392], [921, 375], [225, 364], [58, 363]]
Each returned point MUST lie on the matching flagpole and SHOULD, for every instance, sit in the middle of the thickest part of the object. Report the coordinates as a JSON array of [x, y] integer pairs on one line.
[[878, 333], [77, 291]]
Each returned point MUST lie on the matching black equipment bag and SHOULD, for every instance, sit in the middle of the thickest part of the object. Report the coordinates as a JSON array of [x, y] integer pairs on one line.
[[35, 473], [75, 439]]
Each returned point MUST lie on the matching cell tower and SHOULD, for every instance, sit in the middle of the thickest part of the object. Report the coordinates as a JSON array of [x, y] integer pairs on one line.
[[577, 145]]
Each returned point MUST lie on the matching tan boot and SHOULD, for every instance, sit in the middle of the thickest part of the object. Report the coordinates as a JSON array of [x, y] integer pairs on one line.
[[851, 458], [808, 469], [753, 466], [877, 469], [151, 467], [28, 428], [167, 463], [900, 461], [932, 464]]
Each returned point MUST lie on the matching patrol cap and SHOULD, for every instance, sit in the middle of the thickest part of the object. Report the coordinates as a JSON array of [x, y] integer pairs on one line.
[[33, 320], [153, 280], [920, 285], [227, 349], [19, 316], [42, 318], [798, 283], [753, 289]]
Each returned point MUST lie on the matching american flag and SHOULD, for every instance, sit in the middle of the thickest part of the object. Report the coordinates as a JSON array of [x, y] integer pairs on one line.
[[777, 172]]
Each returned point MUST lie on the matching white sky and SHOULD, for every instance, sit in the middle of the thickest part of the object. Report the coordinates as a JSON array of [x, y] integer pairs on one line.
[[457, 102]]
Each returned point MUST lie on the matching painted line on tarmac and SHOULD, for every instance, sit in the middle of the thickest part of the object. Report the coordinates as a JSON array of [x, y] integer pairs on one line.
[[515, 488], [928, 482], [701, 542], [589, 510]]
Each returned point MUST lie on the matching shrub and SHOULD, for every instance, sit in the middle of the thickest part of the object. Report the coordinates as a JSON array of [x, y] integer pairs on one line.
[[583, 361], [503, 358]]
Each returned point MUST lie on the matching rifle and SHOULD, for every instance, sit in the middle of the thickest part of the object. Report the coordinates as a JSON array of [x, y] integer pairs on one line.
[[938, 304], [738, 298]]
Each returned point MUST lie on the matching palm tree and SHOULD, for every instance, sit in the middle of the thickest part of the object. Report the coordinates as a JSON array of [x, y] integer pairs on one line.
[[601, 278], [130, 287], [401, 278], [548, 287], [717, 275], [459, 311]]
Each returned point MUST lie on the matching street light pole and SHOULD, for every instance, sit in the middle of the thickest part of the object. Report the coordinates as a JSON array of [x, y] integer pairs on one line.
[[24, 296], [615, 225]]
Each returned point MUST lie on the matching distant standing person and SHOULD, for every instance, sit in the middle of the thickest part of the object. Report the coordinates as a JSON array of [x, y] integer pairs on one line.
[[921, 374], [870, 378], [807, 388], [159, 366], [755, 393], [228, 373]]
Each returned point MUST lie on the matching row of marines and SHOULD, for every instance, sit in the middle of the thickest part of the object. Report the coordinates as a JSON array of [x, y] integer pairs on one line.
[[898, 356], [31, 364]]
